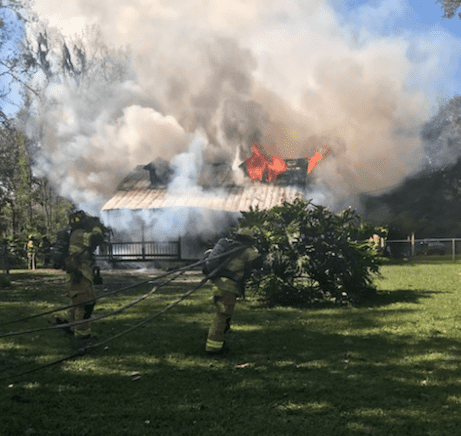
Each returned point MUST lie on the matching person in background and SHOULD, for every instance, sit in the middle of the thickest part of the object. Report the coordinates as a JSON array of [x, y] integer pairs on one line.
[[31, 249]]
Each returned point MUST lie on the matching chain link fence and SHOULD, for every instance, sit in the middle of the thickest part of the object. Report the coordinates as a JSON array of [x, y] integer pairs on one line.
[[443, 247]]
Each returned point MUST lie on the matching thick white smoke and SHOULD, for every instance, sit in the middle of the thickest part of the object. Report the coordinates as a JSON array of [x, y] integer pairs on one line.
[[293, 75]]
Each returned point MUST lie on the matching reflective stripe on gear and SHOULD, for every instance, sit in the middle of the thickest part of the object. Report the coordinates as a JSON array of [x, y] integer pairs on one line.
[[87, 236], [214, 345], [80, 333], [225, 296], [224, 305], [224, 284]]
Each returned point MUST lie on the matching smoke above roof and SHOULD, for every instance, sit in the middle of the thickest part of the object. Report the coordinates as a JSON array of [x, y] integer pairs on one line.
[[292, 76]]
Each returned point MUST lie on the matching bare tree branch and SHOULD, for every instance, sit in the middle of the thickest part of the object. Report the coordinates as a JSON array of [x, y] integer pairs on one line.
[[17, 79], [449, 8]]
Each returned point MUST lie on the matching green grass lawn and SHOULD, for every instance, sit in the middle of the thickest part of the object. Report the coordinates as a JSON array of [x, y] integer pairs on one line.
[[390, 367]]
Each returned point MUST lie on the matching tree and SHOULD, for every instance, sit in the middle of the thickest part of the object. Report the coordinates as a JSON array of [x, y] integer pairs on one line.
[[450, 7], [27, 204], [429, 203], [312, 255], [83, 61], [13, 15], [50, 211], [442, 135], [88, 77], [8, 160], [23, 191]]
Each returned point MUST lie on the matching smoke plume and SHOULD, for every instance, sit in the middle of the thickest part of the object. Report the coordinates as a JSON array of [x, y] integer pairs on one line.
[[293, 76]]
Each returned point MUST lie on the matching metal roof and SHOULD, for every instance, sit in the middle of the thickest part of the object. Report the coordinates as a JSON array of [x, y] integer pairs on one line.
[[136, 191], [137, 179], [230, 199]]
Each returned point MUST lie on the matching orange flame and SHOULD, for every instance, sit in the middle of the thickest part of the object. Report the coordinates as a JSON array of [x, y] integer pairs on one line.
[[316, 159], [257, 163], [275, 167]]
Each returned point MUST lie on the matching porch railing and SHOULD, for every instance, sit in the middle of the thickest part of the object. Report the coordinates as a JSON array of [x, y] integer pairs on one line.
[[139, 251]]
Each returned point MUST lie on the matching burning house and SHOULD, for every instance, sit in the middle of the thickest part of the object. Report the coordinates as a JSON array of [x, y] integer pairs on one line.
[[162, 204], [235, 74]]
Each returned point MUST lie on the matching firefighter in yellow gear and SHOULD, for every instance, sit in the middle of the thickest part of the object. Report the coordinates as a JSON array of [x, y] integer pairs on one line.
[[227, 287], [31, 248], [79, 265]]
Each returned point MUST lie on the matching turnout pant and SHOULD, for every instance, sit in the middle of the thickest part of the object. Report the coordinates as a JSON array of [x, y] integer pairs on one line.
[[81, 294], [224, 302], [31, 263]]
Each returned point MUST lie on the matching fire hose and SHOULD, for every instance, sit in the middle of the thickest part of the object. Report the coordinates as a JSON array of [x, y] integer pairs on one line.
[[91, 347], [145, 282], [153, 290], [182, 269], [95, 318]]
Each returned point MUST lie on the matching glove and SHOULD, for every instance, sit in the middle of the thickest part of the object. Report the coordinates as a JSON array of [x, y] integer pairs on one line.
[[73, 262]]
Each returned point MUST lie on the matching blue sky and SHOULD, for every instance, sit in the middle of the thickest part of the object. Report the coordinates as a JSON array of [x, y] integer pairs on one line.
[[422, 15]]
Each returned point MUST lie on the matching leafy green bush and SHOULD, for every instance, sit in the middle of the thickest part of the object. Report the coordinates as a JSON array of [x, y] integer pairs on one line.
[[312, 255], [15, 248]]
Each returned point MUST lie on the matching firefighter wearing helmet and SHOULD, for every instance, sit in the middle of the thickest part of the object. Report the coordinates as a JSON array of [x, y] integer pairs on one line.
[[83, 240], [31, 249], [228, 283]]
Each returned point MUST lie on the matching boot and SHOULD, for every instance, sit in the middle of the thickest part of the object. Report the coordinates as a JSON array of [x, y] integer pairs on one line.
[[59, 321]]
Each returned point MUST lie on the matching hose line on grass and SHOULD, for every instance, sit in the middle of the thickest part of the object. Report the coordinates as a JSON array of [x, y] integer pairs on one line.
[[95, 318], [135, 285], [184, 269], [83, 350], [91, 347]]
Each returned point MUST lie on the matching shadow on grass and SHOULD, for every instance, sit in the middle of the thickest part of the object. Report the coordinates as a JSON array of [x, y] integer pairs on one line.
[[280, 380], [378, 299], [387, 297], [291, 372]]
